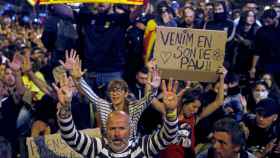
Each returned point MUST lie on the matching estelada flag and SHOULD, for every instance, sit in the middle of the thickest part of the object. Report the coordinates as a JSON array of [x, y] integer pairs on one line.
[[149, 40], [42, 2], [33, 2]]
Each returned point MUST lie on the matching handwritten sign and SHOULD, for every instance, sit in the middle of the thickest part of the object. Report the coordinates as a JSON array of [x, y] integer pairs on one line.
[[53, 146], [134, 2], [189, 54]]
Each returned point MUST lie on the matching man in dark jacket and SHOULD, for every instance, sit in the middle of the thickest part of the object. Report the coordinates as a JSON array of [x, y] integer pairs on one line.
[[60, 32], [134, 39], [267, 46], [222, 23], [145, 124], [102, 40], [263, 129]]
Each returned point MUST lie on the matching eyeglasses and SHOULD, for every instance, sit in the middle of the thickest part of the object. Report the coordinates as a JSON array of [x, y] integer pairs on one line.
[[116, 90], [266, 79]]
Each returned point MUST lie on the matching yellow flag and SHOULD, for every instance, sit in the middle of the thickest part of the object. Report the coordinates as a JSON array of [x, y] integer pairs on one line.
[[134, 2]]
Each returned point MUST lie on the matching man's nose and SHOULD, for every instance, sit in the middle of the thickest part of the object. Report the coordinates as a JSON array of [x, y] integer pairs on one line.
[[261, 118], [216, 145], [117, 133]]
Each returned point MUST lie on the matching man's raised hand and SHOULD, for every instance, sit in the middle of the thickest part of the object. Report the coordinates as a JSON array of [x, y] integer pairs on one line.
[[170, 98], [16, 64], [156, 79], [70, 58], [77, 71], [64, 90], [26, 65]]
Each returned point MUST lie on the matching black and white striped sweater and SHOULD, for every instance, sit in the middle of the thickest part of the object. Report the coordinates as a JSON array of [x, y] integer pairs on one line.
[[140, 147]]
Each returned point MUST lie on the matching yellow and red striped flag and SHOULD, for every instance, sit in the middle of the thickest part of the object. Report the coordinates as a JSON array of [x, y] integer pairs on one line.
[[42, 2], [149, 40]]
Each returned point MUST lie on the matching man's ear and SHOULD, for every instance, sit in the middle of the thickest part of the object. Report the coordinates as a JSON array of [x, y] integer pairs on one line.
[[275, 117], [236, 148], [129, 128], [126, 94]]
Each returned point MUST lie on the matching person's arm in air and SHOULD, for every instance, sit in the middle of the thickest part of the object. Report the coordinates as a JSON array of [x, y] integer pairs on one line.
[[218, 102], [151, 89], [253, 70], [159, 106], [15, 66], [27, 69], [80, 142], [152, 144], [73, 64], [260, 48]]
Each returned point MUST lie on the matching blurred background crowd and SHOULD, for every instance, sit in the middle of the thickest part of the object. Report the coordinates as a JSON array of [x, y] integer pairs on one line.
[[116, 42]]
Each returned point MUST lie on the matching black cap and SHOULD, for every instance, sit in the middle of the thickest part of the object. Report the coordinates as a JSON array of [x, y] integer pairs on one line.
[[269, 13], [267, 107], [260, 82]]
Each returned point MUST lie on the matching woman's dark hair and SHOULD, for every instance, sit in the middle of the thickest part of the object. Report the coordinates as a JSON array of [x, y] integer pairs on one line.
[[244, 16], [242, 23], [259, 82], [191, 96]]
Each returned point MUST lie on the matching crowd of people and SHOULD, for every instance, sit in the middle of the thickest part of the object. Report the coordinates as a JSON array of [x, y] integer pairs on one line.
[[92, 66]]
